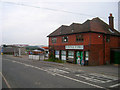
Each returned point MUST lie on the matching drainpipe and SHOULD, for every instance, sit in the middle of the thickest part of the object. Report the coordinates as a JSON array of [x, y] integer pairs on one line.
[[89, 47], [103, 49]]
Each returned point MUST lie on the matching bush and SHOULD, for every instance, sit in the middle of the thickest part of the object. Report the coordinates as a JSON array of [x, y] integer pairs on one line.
[[54, 60], [52, 56]]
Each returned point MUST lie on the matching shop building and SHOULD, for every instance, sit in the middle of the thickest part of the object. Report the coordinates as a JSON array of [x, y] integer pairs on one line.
[[90, 41]]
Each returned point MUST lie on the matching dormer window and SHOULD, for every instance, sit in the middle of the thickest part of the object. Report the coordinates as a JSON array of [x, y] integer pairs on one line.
[[110, 30], [65, 39]]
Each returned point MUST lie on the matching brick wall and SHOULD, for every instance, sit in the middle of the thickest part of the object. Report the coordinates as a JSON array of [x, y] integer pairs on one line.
[[93, 42], [71, 40], [114, 43], [96, 54]]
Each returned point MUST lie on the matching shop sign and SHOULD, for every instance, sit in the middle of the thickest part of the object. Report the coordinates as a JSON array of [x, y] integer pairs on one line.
[[74, 47]]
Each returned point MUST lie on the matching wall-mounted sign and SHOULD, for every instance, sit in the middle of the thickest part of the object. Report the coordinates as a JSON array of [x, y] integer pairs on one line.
[[74, 47]]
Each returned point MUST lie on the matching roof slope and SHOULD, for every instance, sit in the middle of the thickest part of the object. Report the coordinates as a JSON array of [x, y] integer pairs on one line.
[[94, 25], [97, 25]]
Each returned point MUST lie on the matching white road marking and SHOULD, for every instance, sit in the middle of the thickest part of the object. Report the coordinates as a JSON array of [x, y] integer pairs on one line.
[[98, 78], [62, 71], [64, 76], [57, 70], [115, 85], [101, 75], [8, 85], [66, 68], [13, 61], [80, 81], [37, 83], [92, 79]]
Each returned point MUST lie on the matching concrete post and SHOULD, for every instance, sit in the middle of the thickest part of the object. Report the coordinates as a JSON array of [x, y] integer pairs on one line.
[[19, 51]]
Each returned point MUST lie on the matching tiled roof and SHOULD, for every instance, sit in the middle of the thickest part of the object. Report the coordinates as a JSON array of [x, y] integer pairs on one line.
[[94, 25]]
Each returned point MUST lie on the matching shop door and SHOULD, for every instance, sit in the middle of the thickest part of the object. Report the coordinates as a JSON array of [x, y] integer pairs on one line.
[[79, 57]]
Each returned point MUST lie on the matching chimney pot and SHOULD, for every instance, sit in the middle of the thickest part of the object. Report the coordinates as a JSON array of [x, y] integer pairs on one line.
[[111, 21], [111, 14]]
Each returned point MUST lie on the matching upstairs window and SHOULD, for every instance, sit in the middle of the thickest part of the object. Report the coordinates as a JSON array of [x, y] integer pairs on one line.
[[107, 38], [65, 39], [79, 38], [54, 40]]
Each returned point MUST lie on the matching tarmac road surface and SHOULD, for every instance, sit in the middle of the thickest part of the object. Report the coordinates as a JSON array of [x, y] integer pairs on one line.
[[21, 73]]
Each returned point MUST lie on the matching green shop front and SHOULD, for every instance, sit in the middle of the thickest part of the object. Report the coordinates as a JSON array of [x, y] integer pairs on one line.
[[73, 54]]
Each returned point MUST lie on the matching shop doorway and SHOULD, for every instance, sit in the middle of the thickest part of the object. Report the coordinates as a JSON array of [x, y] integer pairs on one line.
[[79, 57]]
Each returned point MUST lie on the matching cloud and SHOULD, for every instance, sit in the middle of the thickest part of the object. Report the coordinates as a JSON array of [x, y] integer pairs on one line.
[[25, 24], [37, 1]]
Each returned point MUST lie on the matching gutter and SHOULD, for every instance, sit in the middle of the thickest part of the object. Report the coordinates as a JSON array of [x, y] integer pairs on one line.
[[83, 32]]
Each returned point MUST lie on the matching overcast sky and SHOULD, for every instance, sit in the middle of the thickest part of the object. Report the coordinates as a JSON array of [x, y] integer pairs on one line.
[[30, 21]]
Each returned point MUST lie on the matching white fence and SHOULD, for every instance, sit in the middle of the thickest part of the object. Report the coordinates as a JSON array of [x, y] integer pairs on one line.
[[36, 57]]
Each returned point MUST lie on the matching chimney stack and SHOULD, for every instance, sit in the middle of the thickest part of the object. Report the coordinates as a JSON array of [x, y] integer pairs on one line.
[[111, 21]]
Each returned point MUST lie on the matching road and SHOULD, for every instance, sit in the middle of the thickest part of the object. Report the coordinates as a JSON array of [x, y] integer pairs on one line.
[[0, 71], [22, 73]]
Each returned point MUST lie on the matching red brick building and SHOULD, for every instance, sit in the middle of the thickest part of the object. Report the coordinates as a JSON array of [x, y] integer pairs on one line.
[[92, 41]]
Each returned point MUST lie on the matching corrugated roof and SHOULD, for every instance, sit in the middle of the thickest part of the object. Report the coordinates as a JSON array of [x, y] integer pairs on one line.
[[94, 25]]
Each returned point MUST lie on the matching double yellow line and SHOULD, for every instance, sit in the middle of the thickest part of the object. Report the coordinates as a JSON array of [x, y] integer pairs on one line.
[[5, 80]]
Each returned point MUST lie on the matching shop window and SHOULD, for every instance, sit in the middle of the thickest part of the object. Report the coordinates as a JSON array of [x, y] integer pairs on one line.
[[79, 38], [54, 40], [63, 55], [70, 54], [57, 54], [107, 38], [65, 39]]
